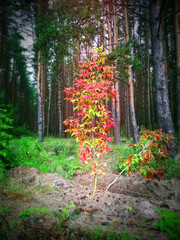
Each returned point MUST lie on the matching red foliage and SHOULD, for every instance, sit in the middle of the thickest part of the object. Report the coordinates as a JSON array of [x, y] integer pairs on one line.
[[150, 154], [93, 121]]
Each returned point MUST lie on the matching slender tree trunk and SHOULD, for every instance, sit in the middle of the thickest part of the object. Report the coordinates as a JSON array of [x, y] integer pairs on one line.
[[87, 44], [127, 118], [40, 120], [117, 137], [73, 58], [78, 54], [43, 93], [110, 42], [162, 98], [131, 92], [13, 79], [148, 77], [177, 42], [104, 33], [49, 102], [60, 108], [99, 36]]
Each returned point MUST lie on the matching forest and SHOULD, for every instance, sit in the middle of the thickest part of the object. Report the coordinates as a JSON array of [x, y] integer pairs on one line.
[[90, 119]]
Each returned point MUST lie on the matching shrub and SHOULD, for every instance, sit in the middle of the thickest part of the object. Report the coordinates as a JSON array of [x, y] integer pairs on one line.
[[170, 223], [150, 155], [21, 131], [5, 135]]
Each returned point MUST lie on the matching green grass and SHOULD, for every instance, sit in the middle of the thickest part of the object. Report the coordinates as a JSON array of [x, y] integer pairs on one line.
[[172, 169], [54, 155], [28, 212], [169, 222], [60, 155], [98, 234], [118, 151]]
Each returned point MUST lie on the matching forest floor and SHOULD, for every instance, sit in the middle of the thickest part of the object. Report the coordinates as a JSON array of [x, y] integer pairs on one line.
[[130, 204]]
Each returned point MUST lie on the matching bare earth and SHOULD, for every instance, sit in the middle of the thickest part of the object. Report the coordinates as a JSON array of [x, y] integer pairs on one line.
[[129, 202]]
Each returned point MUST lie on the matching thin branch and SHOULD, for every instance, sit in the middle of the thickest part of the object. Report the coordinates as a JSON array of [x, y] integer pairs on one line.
[[122, 80], [124, 169], [144, 147], [138, 14], [113, 183]]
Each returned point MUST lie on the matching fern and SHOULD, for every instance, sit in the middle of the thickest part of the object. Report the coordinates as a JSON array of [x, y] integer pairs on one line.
[[5, 135]]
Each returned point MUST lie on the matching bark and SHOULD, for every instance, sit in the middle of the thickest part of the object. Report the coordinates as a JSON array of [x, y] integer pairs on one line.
[[13, 82], [164, 117], [78, 54], [104, 33], [49, 102], [110, 50], [148, 78], [60, 108], [117, 129], [99, 35], [42, 6], [43, 92], [127, 118], [177, 47], [116, 109], [112, 42], [87, 44], [131, 92], [73, 58], [40, 120]]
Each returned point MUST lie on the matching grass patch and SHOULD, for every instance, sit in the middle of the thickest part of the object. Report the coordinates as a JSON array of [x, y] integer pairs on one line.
[[118, 151], [28, 212], [60, 155], [54, 155], [170, 223], [172, 169], [99, 234]]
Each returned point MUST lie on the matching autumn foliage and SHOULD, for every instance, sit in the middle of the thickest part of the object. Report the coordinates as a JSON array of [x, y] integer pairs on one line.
[[93, 121], [150, 154]]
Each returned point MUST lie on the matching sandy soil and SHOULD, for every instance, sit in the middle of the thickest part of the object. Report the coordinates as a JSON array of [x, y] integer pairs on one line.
[[129, 202]]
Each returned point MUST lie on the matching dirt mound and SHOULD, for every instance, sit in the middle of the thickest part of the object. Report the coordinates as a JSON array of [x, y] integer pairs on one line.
[[129, 201], [31, 177]]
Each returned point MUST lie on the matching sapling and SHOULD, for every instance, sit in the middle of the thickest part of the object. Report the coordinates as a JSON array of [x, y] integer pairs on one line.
[[93, 122]]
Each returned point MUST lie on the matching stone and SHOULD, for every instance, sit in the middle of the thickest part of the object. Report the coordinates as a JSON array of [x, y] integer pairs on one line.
[[146, 209]]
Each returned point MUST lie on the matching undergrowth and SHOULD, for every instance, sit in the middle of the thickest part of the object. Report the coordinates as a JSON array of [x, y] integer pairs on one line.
[[60, 156], [53, 156], [169, 222]]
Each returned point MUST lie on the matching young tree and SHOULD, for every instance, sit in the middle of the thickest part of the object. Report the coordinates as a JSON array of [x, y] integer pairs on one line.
[[93, 123]]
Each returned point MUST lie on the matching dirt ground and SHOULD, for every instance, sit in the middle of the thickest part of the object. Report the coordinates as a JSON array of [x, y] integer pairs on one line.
[[130, 202]]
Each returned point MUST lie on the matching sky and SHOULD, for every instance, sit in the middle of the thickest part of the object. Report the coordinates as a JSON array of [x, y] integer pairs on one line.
[[24, 21]]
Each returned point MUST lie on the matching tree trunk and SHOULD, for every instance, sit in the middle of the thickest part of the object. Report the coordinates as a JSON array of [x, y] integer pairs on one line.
[[131, 92], [147, 45], [164, 117], [49, 102], [117, 137], [40, 120], [43, 92], [177, 42], [59, 108], [127, 121]]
